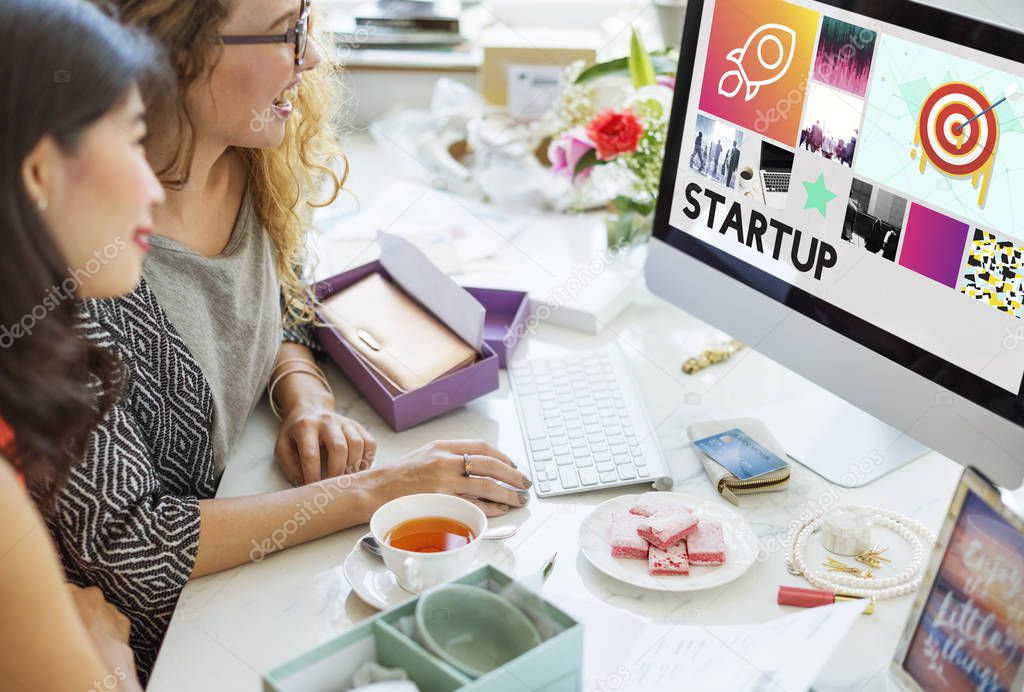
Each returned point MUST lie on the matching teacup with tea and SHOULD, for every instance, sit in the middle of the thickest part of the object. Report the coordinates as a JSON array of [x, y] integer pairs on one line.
[[428, 538]]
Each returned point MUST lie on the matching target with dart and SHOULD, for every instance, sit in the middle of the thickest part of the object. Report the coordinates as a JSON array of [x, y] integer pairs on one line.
[[957, 131]]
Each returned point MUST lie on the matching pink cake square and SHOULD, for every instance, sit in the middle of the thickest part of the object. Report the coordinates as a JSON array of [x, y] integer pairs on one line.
[[670, 561], [624, 539], [706, 545], [652, 503], [668, 527]]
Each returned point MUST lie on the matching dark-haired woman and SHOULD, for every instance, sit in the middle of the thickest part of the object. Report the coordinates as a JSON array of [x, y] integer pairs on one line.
[[76, 197]]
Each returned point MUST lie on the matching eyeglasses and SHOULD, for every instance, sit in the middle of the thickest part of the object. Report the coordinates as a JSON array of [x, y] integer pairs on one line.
[[298, 35]]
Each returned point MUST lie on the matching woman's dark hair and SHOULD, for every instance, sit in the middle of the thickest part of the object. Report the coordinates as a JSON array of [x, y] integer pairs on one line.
[[65, 64]]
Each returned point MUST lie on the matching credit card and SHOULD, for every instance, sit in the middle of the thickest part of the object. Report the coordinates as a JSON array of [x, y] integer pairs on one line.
[[742, 455]]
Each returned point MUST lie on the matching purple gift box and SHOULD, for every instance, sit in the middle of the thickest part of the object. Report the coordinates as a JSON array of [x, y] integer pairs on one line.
[[486, 316]]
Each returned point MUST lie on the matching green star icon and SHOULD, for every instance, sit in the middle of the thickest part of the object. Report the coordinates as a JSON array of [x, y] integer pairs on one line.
[[818, 196]]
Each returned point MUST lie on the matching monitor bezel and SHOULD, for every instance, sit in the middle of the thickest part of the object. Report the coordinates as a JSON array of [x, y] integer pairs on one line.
[[938, 23]]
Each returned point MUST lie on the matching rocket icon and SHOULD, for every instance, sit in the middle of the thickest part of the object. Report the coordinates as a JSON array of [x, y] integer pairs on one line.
[[762, 60]]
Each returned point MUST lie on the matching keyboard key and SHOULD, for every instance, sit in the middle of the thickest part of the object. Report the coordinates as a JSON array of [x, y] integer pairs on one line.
[[643, 472], [542, 455], [539, 445], [532, 418], [544, 487], [588, 476], [582, 462], [619, 449], [608, 476], [567, 477], [560, 450], [621, 459], [605, 466], [564, 460], [627, 473]]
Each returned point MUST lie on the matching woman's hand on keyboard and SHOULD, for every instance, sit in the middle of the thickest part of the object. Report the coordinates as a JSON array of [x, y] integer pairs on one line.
[[440, 467]]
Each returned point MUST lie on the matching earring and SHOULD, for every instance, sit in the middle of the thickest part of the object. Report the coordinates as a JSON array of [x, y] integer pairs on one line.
[[42, 204]]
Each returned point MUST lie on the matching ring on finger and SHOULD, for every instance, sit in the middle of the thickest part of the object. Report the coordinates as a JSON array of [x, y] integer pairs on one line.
[[467, 466]]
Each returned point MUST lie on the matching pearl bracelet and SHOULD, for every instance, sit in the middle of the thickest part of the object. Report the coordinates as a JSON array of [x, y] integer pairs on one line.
[[907, 581]]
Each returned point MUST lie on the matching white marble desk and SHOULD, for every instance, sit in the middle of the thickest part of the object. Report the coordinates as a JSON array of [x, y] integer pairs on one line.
[[230, 627]]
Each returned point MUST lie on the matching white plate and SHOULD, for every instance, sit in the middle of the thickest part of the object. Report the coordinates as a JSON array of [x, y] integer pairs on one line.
[[740, 547], [376, 584]]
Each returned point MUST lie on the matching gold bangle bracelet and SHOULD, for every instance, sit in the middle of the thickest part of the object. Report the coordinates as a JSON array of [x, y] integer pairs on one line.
[[286, 361], [273, 383]]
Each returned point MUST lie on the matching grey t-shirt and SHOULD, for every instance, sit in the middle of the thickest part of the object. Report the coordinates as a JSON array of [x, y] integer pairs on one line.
[[227, 309]]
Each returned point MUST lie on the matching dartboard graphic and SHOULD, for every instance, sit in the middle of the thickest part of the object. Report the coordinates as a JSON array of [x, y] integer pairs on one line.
[[951, 146]]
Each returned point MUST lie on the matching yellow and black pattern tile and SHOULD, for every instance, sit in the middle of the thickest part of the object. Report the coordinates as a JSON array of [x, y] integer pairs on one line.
[[993, 272]]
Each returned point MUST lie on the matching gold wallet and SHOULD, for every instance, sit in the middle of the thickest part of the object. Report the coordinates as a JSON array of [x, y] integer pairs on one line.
[[725, 482], [406, 345]]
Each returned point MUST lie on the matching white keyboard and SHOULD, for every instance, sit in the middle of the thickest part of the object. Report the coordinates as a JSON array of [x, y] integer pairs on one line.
[[584, 425]]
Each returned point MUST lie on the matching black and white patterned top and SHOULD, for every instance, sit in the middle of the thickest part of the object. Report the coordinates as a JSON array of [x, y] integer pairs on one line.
[[127, 519]]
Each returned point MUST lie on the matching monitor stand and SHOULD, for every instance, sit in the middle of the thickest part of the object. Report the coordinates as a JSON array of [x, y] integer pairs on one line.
[[838, 441]]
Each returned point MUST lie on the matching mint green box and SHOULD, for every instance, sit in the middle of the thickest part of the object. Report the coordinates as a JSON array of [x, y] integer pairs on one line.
[[554, 666]]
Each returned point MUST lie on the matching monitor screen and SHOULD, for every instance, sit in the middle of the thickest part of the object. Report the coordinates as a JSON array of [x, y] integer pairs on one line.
[[894, 138]]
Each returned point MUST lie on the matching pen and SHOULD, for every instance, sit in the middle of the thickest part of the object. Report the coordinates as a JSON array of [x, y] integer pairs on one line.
[[809, 598]]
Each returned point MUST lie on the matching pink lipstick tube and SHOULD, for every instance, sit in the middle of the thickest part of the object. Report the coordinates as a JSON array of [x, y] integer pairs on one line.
[[810, 598]]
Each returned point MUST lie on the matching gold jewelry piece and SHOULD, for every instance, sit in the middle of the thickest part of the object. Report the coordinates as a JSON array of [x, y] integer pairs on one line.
[[304, 361], [712, 356], [467, 466], [317, 373], [837, 566], [872, 558]]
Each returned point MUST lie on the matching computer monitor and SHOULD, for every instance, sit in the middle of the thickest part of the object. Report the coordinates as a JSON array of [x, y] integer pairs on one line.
[[916, 337]]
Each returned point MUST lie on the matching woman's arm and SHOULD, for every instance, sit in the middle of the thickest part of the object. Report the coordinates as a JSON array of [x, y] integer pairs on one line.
[[309, 423], [119, 526], [44, 642], [243, 529]]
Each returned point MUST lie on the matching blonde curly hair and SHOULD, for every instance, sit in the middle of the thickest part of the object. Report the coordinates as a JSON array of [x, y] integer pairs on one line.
[[285, 181]]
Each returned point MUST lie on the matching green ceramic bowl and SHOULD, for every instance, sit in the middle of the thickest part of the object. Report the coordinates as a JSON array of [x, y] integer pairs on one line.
[[473, 629]]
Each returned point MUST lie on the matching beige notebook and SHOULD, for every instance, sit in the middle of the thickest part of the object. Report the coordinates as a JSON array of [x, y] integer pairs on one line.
[[404, 343]]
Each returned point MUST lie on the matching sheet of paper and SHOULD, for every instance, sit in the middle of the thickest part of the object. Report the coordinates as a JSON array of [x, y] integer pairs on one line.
[[787, 653], [411, 270]]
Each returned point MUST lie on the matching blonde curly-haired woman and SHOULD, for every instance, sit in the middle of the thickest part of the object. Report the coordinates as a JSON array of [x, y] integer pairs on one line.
[[242, 155]]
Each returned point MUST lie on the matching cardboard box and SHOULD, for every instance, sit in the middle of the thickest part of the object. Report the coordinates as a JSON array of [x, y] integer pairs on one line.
[[519, 66]]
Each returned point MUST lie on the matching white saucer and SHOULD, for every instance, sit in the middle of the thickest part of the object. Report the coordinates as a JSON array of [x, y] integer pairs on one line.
[[376, 584], [740, 547]]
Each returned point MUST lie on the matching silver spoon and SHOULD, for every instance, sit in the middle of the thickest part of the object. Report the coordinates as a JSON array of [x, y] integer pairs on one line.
[[373, 547]]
